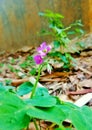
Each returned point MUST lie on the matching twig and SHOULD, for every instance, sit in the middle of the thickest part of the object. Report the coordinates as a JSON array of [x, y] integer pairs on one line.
[[80, 92], [84, 70]]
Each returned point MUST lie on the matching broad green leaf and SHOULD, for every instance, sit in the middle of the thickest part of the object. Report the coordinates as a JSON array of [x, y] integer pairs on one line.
[[12, 112], [7, 88], [81, 118], [64, 129], [41, 91], [24, 88], [67, 107], [45, 101], [2, 88], [53, 114], [27, 87]]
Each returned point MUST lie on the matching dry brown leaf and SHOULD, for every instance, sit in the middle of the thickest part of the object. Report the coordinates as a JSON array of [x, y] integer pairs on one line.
[[86, 83], [73, 79], [56, 74], [50, 80]]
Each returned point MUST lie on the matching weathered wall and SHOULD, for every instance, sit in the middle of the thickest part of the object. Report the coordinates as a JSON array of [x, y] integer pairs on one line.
[[19, 20]]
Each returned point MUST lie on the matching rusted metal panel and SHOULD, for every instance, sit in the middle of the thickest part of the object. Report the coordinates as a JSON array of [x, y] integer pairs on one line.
[[19, 20], [90, 15]]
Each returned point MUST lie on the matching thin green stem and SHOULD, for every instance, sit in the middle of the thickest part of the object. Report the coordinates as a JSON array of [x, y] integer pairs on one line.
[[39, 125], [35, 85], [36, 126], [67, 28]]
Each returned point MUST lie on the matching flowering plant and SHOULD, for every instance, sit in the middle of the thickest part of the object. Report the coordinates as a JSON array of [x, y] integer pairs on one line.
[[39, 59]]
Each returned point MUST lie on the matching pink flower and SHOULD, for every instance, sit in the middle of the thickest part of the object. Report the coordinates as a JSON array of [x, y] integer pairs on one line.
[[38, 59], [42, 52], [43, 49]]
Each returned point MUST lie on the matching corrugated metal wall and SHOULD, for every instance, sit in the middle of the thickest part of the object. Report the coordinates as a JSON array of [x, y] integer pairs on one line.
[[19, 20]]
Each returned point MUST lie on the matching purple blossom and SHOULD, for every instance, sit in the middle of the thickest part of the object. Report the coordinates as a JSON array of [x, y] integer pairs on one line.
[[43, 49], [38, 59]]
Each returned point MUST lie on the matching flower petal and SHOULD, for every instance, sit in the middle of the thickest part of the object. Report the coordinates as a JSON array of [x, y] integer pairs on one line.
[[48, 48], [38, 59], [43, 49], [43, 45]]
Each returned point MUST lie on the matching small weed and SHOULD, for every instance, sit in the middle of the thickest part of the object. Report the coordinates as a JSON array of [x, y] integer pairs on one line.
[[28, 62], [61, 35]]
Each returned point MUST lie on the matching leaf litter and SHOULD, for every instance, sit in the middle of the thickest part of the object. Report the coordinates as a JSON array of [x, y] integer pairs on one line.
[[73, 86]]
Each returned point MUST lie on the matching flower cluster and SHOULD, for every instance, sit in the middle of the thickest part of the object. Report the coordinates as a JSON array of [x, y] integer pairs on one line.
[[42, 52]]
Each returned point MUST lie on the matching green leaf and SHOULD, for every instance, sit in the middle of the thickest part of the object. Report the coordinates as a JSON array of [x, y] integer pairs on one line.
[[55, 54], [7, 88], [50, 14], [64, 129], [41, 91], [53, 114], [79, 23], [64, 59], [81, 44], [78, 30], [24, 88], [33, 71], [46, 101], [27, 87], [81, 118], [56, 44], [12, 112], [71, 32]]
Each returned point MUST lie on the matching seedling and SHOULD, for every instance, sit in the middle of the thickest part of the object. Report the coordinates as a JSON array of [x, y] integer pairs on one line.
[[61, 35]]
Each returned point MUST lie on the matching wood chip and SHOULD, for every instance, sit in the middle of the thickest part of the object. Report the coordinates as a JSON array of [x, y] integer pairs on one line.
[[83, 100]]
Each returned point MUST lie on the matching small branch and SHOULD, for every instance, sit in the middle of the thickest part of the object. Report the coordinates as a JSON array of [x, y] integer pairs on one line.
[[80, 92], [84, 70]]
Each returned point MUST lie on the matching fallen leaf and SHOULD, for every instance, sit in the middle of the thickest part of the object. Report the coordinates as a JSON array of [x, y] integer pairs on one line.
[[86, 83]]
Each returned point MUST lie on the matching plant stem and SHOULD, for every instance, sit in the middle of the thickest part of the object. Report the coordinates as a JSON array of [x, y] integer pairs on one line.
[[67, 28], [36, 126], [35, 85]]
